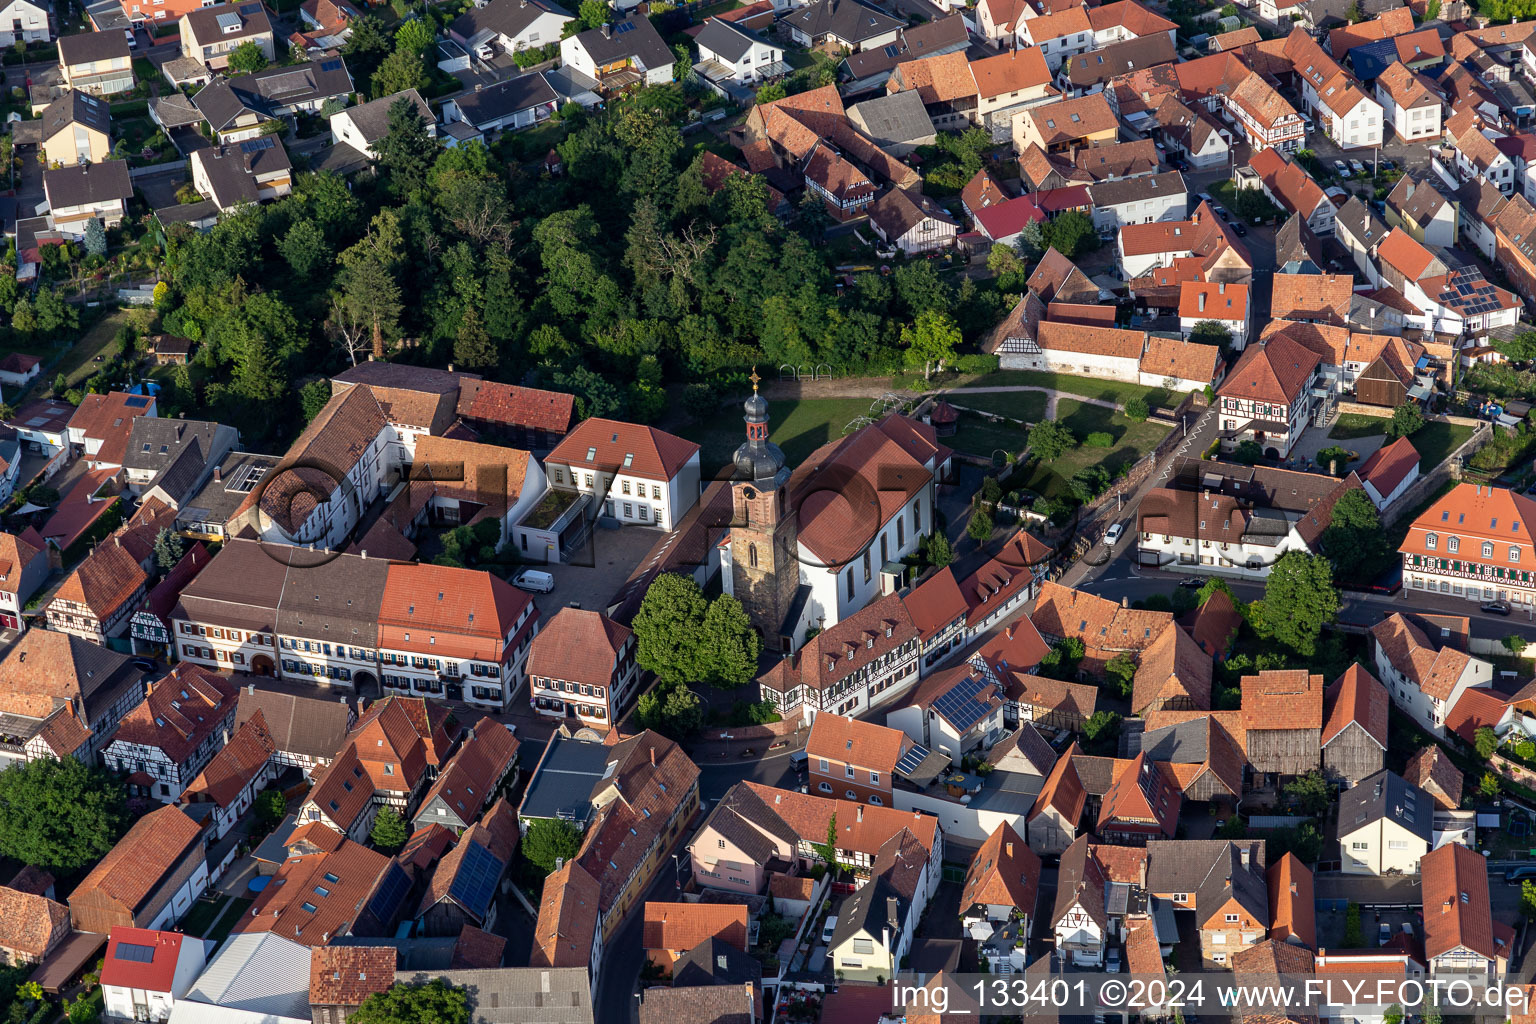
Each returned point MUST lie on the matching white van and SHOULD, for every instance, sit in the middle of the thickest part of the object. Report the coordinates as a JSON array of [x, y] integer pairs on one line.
[[534, 580], [485, 51]]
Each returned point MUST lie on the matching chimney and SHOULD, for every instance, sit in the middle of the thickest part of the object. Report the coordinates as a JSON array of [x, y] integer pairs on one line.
[[1243, 856], [364, 552], [861, 812], [1202, 302], [1125, 602], [450, 367], [218, 474], [559, 863], [1008, 847], [653, 757], [607, 31], [250, 688]]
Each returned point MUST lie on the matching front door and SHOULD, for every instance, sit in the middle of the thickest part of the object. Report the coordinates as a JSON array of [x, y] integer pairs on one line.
[[455, 691]]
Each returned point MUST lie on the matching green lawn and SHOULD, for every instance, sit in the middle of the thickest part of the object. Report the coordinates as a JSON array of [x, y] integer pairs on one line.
[[1132, 441], [976, 436], [1351, 425], [1028, 406], [799, 427], [1434, 441], [202, 914], [1086, 387], [237, 908]]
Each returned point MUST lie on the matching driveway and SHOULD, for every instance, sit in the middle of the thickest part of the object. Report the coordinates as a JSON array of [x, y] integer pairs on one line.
[[598, 570], [159, 190], [1315, 439]]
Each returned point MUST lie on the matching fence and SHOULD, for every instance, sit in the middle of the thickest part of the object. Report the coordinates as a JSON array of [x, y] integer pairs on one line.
[[160, 168]]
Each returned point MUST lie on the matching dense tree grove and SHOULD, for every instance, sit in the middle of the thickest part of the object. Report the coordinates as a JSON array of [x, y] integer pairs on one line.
[[619, 274]]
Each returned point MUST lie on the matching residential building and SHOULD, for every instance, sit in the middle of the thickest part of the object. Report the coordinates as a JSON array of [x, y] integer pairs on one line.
[[1058, 35], [144, 972], [1206, 762], [252, 171], [841, 24], [1293, 189], [1138, 200], [238, 108], [1431, 770], [1007, 83], [509, 105], [341, 977], [997, 899], [954, 712], [1056, 127], [1385, 825], [25, 23], [1426, 209], [25, 558], [1223, 883], [99, 63], [1143, 247], [647, 795], [329, 886], [743, 57], [1472, 543], [629, 51], [868, 70], [31, 927], [912, 222], [164, 742], [398, 745], [1389, 472], [326, 25], [1106, 628], [170, 458], [509, 25], [1267, 397], [1408, 102], [870, 938], [86, 191], [1282, 722], [1090, 72], [1292, 909], [210, 34], [671, 930], [1347, 114], [525, 418], [462, 890], [1141, 804], [636, 475], [480, 769], [1355, 729], [852, 760], [569, 929], [76, 127], [581, 667], [1173, 674], [1462, 941], [1425, 681], [64, 696], [227, 787], [307, 727], [1226, 304], [863, 661], [148, 880]]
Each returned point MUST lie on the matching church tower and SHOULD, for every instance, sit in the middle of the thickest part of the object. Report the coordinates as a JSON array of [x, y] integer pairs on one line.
[[765, 565]]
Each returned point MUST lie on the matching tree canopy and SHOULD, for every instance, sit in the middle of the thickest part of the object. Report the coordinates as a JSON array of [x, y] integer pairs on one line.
[[683, 638], [1299, 600], [549, 840], [389, 830], [433, 1002], [59, 814]]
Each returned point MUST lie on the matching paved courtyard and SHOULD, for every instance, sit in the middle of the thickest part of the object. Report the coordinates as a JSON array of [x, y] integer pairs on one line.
[[1304, 454], [602, 566]]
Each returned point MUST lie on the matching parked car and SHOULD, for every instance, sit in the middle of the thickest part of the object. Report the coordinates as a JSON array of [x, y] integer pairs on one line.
[[1239, 229], [1494, 607], [1204, 197], [133, 42], [1112, 962], [1221, 213], [1113, 534], [1338, 165], [828, 928], [1514, 876], [1357, 167], [1192, 582], [1384, 934]]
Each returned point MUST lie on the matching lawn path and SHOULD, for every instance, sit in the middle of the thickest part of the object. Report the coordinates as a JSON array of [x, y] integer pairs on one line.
[[874, 388]]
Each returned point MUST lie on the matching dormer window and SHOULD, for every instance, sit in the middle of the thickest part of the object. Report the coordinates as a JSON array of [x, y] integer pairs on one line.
[[1487, 549], [1432, 541], [1453, 545]]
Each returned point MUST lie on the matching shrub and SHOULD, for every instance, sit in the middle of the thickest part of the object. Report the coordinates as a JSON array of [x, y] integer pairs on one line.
[[1136, 410], [1099, 439]]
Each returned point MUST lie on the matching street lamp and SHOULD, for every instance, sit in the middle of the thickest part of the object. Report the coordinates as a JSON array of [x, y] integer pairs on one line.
[[677, 869]]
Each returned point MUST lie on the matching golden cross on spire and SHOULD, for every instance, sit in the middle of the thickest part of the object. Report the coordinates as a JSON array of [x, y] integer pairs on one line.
[[754, 379]]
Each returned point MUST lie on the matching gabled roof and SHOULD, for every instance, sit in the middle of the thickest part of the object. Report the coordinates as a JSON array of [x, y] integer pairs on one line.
[[346, 975], [1010, 72], [507, 405], [133, 869], [851, 741], [46, 669], [1386, 796], [1173, 668], [1291, 186], [1004, 873], [1357, 697], [1275, 371], [1435, 672], [1389, 465], [936, 603], [1432, 771], [1069, 119], [155, 975], [317, 896], [1318, 297], [233, 767], [670, 926], [1063, 791], [568, 918], [1141, 796], [1291, 912], [1282, 699], [580, 645], [31, 925], [611, 445], [846, 20], [179, 712], [473, 773], [1457, 912]]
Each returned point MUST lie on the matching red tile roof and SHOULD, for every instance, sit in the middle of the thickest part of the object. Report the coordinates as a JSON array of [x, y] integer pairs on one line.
[[180, 711], [1357, 696], [31, 925], [157, 975], [1214, 300], [507, 405], [1399, 251], [133, 869], [1282, 699], [1275, 371], [1063, 791], [463, 613], [1387, 466], [291, 906], [568, 913], [1473, 710], [346, 975], [1004, 873], [639, 451], [578, 645], [681, 926], [1457, 911], [1291, 913], [850, 741], [935, 603], [232, 768], [471, 775], [110, 417]]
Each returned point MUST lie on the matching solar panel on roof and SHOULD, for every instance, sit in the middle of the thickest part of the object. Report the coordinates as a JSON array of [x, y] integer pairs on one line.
[[960, 705], [389, 894], [136, 402], [136, 953], [911, 759], [475, 883], [249, 9], [622, 27], [257, 145], [331, 65]]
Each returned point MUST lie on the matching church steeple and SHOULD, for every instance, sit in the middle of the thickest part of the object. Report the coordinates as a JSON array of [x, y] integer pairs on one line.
[[759, 459]]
